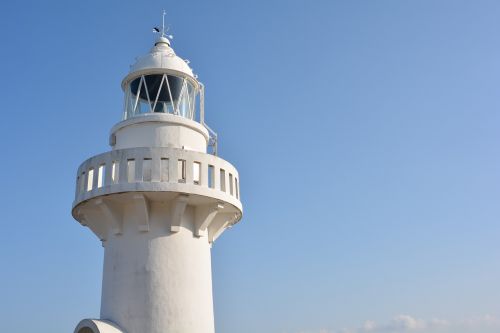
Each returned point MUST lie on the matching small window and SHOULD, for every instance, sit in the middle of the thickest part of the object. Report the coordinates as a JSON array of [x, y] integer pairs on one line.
[[164, 170], [100, 175], [223, 180], [82, 182], [181, 171], [146, 169], [131, 170], [236, 188], [196, 173], [211, 176], [114, 172], [90, 179], [231, 183]]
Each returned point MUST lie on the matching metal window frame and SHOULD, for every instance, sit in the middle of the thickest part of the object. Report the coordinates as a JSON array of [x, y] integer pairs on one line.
[[158, 93], [181, 94], [170, 94], [147, 94], [137, 96]]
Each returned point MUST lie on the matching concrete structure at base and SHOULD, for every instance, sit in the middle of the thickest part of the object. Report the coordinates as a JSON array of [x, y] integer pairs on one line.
[[157, 201]]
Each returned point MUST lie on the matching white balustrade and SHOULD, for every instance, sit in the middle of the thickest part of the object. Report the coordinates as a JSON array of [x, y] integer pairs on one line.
[[157, 170]]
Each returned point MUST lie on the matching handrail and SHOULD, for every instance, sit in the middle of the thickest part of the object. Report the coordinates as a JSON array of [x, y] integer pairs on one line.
[[212, 141]]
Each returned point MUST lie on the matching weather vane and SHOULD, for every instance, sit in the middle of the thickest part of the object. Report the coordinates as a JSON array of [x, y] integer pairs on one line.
[[157, 30]]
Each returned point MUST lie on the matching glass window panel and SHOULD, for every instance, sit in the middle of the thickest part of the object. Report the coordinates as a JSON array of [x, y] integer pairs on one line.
[[164, 103], [183, 103], [132, 99], [128, 103], [134, 95], [160, 93], [153, 83], [170, 108], [175, 84], [135, 86], [162, 97], [142, 107], [140, 93], [192, 100]]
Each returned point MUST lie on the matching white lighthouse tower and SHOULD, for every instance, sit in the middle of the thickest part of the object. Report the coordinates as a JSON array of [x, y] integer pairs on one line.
[[157, 201]]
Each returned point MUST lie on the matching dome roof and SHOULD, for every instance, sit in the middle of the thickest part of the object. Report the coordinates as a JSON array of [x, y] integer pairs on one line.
[[161, 57]]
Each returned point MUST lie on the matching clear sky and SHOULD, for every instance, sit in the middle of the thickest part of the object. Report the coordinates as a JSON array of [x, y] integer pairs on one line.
[[366, 134]]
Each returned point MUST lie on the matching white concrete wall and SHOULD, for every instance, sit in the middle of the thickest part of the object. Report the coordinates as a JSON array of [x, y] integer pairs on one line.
[[160, 130], [161, 180], [157, 281]]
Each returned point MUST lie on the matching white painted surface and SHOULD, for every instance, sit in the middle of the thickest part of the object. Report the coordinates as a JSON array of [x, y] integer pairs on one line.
[[160, 130], [157, 281], [157, 202], [96, 326], [161, 57], [163, 179]]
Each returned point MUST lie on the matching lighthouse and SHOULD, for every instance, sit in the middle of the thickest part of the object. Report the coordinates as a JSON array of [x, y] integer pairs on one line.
[[157, 201]]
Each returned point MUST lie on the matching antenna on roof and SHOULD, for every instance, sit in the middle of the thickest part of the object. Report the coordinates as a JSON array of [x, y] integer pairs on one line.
[[163, 30], [163, 23]]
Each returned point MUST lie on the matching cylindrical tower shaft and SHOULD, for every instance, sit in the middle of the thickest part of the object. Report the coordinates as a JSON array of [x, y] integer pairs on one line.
[[157, 281]]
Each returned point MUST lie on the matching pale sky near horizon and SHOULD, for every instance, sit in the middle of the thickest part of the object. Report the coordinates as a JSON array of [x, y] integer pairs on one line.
[[366, 134]]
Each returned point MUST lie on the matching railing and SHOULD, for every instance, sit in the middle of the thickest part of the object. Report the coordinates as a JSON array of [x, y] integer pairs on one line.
[[157, 170], [213, 140]]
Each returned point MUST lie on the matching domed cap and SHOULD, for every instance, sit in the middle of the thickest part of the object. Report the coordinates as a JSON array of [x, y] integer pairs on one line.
[[161, 57]]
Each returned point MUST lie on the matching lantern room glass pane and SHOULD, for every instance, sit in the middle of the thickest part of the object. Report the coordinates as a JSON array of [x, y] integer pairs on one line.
[[129, 103], [192, 100], [160, 93], [183, 104], [175, 84]]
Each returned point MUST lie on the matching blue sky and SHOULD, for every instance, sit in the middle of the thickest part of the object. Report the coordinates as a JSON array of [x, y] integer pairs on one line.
[[365, 134]]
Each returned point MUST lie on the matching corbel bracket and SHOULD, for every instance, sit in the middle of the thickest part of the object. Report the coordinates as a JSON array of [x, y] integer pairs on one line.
[[111, 215], [221, 222], [204, 215], [142, 205], [178, 207]]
